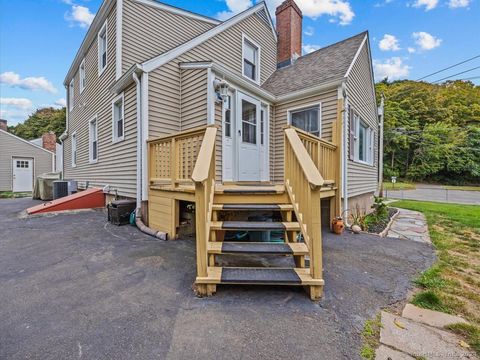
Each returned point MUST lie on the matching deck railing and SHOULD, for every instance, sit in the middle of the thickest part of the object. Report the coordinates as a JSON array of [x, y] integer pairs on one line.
[[303, 182], [204, 178], [172, 158], [323, 153]]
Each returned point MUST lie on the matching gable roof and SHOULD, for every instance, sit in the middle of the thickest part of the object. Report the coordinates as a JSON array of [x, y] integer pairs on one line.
[[25, 141], [324, 65], [171, 54]]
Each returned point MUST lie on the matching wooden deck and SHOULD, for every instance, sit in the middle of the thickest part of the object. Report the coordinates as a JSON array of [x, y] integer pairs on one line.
[[182, 168]]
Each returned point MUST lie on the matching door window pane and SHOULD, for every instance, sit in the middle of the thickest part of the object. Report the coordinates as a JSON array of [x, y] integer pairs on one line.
[[249, 122], [307, 120], [228, 116]]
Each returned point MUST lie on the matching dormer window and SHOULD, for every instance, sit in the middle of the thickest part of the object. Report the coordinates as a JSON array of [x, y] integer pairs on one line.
[[102, 49], [251, 63]]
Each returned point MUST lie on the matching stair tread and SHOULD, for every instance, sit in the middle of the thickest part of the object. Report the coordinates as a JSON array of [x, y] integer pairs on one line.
[[259, 276], [231, 247], [257, 207], [254, 225]]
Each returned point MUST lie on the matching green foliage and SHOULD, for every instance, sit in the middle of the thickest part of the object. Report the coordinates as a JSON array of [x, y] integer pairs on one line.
[[432, 131], [470, 332], [40, 122], [429, 300], [371, 337]]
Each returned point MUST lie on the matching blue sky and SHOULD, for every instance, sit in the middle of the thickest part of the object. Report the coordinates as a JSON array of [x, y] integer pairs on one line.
[[409, 39]]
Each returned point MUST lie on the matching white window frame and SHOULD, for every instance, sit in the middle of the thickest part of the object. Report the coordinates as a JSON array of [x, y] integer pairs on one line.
[[115, 138], [104, 29], [369, 141], [73, 149], [71, 95], [91, 160], [82, 75], [258, 57], [306, 107]]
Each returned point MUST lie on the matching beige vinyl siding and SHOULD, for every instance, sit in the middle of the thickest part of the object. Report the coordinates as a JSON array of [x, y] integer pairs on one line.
[[328, 102], [116, 165], [362, 178], [12, 147], [193, 98], [149, 31]]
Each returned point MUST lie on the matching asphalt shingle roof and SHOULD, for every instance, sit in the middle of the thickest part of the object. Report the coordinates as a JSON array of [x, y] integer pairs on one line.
[[326, 64]]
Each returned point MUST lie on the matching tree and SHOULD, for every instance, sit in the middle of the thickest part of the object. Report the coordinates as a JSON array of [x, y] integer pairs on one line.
[[40, 122]]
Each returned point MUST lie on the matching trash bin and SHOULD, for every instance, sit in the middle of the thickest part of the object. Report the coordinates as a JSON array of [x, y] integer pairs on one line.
[[119, 211]]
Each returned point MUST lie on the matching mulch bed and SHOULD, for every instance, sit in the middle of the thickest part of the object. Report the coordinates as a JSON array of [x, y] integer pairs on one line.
[[382, 224]]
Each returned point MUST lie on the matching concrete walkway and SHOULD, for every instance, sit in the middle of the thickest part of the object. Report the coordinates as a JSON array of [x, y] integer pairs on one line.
[[420, 333], [409, 224]]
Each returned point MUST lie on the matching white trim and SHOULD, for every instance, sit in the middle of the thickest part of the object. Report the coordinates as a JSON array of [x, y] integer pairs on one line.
[[369, 157], [91, 160], [305, 107], [102, 29], [81, 84], [119, 40], [357, 54], [71, 95], [210, 98], [257, 55], [144, 133], [116, 139], [25, 141], [178, 11], [73, 136], [157, 61]]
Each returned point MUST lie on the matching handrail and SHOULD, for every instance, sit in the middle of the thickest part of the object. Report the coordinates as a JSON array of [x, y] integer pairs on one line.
[[312, 137], [201, 169], [306, 163], [179, 135]]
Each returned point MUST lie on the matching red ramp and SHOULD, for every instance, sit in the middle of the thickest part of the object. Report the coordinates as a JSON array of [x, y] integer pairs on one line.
[[88, 199]]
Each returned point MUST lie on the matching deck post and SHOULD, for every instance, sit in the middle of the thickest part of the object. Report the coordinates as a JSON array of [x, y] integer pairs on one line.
[[173, 163], [315, 233], [201, 235]]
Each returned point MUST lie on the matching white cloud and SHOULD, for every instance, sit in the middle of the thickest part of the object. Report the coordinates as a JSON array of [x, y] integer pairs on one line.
[[429, 4], [392, 68], [458, 3], [80, 15], [338, 9], [19, 103], [307, 49], [411, 50], [309, 30], [61, 102], [426, 41], [389, 43], [29, 83]]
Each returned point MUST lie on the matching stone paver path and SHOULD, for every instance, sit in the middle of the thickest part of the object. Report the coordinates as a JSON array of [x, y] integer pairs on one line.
[[404, 338], [409, 224]]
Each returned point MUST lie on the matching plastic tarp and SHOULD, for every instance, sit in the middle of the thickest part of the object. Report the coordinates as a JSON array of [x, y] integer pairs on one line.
[[43, 188]]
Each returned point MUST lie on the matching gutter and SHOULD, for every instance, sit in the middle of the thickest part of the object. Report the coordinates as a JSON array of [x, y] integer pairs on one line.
[[345, 151]]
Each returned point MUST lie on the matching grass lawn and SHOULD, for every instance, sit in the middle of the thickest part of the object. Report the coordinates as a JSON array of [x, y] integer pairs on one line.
[[452, 285], [9, 194], [398, 186], [466, 188]]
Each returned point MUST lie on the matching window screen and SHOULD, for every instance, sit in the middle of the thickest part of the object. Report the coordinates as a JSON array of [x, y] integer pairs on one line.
[[307, 119]]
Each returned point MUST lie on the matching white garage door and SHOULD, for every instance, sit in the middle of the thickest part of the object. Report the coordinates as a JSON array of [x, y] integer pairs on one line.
[[22, 170]]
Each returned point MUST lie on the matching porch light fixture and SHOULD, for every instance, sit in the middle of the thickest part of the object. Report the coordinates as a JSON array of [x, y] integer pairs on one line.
[[221, 88]]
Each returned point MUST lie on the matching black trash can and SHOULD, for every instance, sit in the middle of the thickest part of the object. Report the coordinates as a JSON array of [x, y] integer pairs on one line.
[[119, 211]]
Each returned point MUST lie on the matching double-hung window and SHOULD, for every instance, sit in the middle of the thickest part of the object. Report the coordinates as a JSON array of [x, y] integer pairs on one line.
[[118, 125], [364, 141], [71, 94], [251, 60], [82, 76], [93, 140], [102, 49], [307, 119], [74, 149]]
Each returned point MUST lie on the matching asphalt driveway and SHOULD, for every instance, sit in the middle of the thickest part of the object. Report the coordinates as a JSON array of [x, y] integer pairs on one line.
[[74, 287]]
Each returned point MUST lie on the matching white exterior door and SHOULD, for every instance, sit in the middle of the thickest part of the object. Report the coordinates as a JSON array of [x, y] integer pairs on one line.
[[22, 174], [228, 142], [248, 138]]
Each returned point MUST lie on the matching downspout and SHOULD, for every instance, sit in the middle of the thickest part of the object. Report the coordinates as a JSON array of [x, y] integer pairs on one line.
[[138, 212], [381, 113], [345, 153]]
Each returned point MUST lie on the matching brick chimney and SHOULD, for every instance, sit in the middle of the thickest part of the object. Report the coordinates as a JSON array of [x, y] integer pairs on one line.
[[49, 141], [289, 30], [3, 125]]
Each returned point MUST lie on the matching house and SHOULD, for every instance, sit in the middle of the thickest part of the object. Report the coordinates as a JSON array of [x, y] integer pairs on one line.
[[170, 107], [21, 161], [49, 141]]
